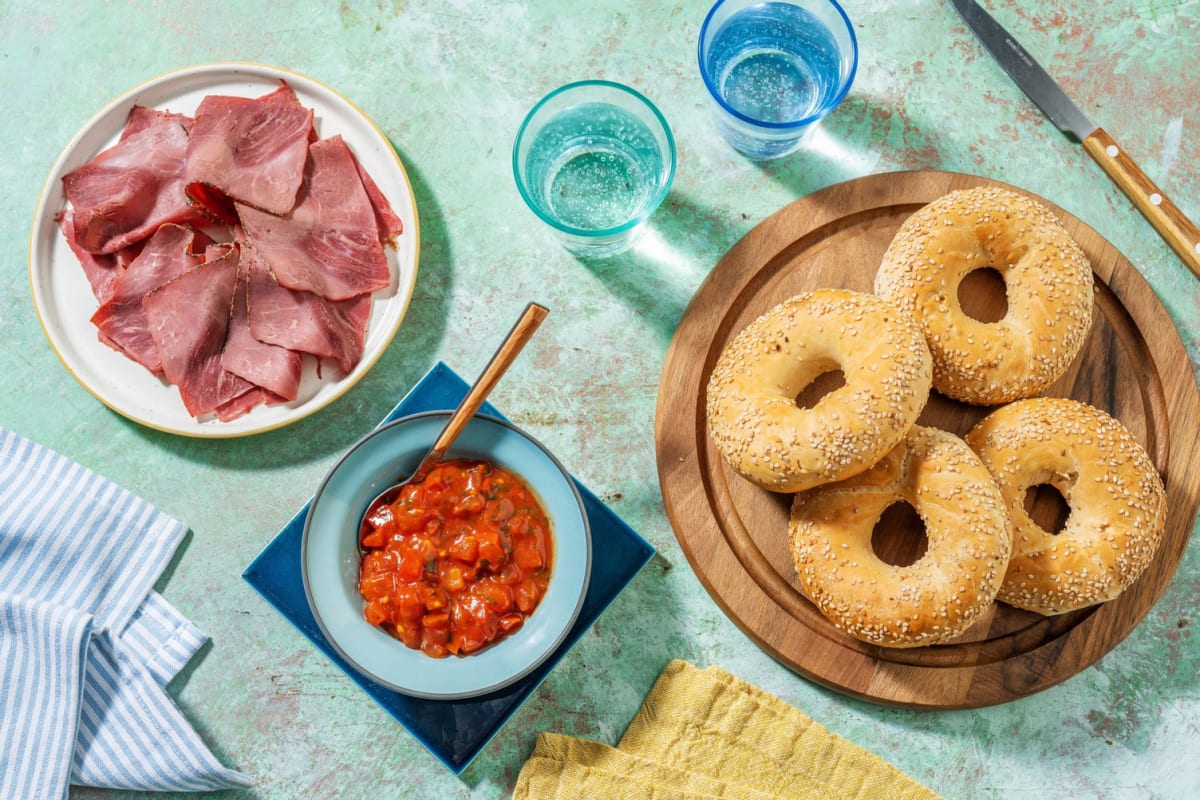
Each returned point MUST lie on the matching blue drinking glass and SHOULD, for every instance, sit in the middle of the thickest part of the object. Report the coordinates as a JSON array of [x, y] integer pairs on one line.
[[774, 69]]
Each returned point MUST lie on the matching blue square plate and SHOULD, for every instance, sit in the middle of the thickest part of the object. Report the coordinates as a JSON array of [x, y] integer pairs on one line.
[[453, 730]]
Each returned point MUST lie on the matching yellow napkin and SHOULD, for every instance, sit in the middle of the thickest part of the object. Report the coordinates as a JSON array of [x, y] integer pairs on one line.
[[703, 733]]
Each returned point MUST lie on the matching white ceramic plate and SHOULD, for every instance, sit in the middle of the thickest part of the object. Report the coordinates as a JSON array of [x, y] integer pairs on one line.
[[65, 303], [330, 560]]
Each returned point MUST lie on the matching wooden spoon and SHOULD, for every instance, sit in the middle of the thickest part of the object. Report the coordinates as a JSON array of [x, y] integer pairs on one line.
[[512, 345]]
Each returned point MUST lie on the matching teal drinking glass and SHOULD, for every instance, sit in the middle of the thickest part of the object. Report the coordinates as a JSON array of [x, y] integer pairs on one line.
[[593, 160]]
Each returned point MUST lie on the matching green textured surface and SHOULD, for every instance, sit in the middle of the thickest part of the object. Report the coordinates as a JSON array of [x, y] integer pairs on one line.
[[449, 83]]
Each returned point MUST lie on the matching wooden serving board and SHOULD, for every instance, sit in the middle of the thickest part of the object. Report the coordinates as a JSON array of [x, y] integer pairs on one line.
[[735, 535]]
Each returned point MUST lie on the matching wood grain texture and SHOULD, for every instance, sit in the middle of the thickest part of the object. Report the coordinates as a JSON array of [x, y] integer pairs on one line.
[[735, 535], [1172, 225]]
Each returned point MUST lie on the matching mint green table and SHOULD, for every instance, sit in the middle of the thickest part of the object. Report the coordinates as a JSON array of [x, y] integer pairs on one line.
[[449, 84]]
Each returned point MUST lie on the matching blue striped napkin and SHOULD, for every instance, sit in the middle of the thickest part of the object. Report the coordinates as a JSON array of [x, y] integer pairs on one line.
[[86, 645]]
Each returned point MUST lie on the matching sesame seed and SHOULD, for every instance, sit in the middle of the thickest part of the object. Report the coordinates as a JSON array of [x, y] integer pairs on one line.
[[1049, 292]]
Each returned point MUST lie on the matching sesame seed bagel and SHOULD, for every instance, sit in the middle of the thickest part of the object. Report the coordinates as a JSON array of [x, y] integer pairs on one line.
[[943, 592], [1116, 497], [753, 416], [1049, 290]]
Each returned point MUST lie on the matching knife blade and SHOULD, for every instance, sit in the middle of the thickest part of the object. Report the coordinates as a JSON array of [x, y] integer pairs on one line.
[[1171, 224]]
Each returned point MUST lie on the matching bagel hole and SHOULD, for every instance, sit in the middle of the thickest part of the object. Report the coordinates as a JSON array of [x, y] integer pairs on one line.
[[1047, 507], [823, 384], [899, 536], [983, 295]]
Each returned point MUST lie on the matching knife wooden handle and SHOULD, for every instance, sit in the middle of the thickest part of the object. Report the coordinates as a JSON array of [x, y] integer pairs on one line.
[[1176, 229]]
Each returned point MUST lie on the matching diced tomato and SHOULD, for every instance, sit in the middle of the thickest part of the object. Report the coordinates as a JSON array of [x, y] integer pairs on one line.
[[490, 549], [433, 648], [409, 604], [496, 597], [457, 561], [438, 621], [408, 519], [412, 564], [518, 525], [527, 596], [378, 561], [378, 585], [410, 634], [436, 598], [465, 548], [380, 517], [376, 613], [527, 556], [510, 574], [434, 641], [452, 580]]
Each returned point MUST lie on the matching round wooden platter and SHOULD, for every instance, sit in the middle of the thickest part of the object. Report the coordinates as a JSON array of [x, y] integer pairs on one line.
[[735, 535]]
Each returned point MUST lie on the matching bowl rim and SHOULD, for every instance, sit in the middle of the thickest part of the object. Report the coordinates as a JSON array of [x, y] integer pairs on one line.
[[507, 680]]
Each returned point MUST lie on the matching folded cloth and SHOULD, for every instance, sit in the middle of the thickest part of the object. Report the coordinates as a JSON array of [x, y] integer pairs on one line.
[[86, 645], [579, 760], [703, 733]]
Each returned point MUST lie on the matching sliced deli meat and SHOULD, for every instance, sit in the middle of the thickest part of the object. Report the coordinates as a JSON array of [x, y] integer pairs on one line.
[[329, 244], [128, 191], [243, 403], [230, 324], [276, 369], [121, 322], [250, 150], [101, 270], [142, 117], [305, 321], [389, 225], [189, 322]]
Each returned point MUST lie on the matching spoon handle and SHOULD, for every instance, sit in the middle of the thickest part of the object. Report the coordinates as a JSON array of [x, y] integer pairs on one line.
[[512, 345]]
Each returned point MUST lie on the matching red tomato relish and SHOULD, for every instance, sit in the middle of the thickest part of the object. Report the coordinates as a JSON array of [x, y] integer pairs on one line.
[[457, 561]]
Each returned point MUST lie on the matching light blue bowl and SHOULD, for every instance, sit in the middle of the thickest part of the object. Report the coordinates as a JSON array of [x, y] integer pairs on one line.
[[330, 558]]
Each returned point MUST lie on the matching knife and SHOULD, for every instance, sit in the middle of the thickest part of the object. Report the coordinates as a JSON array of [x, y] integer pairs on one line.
[[1172, 225]]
